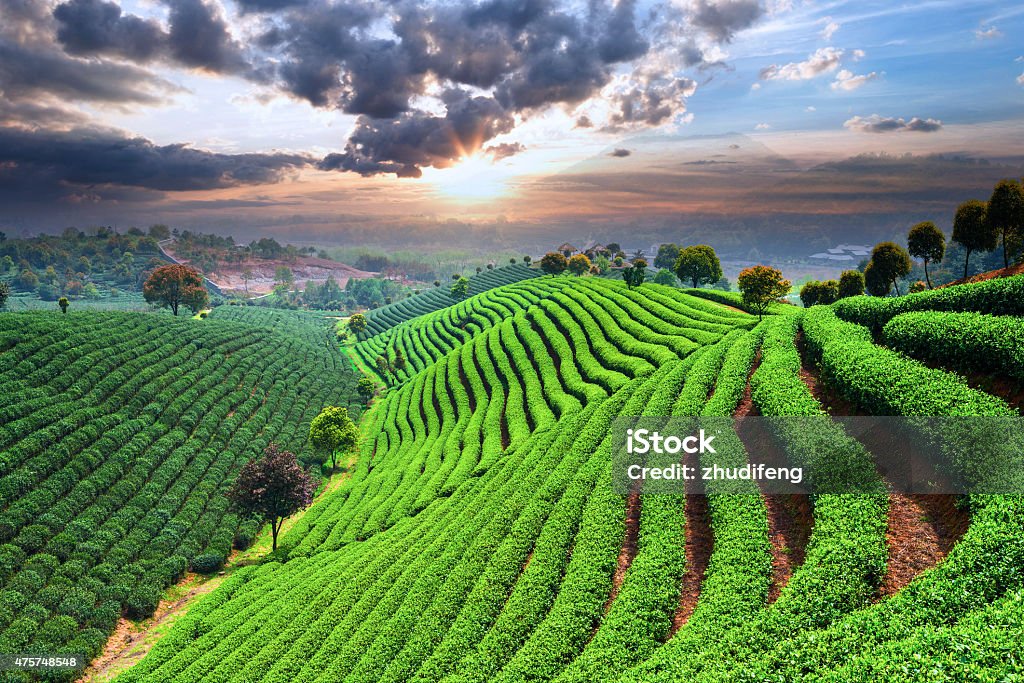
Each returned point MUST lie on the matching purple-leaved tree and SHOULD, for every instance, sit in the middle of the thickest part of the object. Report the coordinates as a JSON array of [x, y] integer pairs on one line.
[[272, 488]]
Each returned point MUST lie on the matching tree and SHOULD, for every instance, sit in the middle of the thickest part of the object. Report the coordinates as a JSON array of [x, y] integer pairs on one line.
[[665, 277], [891, 262], [699, 265], [926, 242], [159, 232], [63, 303], [723, 284], [635, 274], [357, 323], [875, 281], [918, 286], [828, 292], [667, 255], [283, 275], [972, 230], [554, 263], [365, 387], [460, 289], [272, 488], [809, 293], [399, 362], [527, 260], [762, 285], [512, 261], [613, 247], [1005, 214], [246, 277], [579, 264], [28, 280], [176, 285], [5, 292], [333, 432], [851, 283]]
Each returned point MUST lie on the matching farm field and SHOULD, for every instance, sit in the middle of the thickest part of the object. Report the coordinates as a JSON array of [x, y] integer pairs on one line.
[[480, 537], [120, 433]]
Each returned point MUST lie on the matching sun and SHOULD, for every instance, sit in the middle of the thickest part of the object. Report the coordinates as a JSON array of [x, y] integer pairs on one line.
[[475, 177]]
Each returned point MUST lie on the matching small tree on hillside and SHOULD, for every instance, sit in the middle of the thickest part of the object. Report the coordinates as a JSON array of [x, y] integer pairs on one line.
[[972, 230], [460, 288], [828, 292], [365, 387], [357, 323], [665, 277], [761, 286], [809, 293], [527, 260], [246, 278], [63, 303], [1005, 214], [926, 242], [399, 362], [667, 255], [554, 263], [891, 262], [875, 280], [851, 283], [176, 285], [698, 265], [635, 274], [272, 488], [5, 292], [578, 265], [332, 433]]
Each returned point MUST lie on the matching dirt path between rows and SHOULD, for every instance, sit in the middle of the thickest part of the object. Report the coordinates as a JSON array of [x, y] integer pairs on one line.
[[629, 544], [922, 528], [700, 542]]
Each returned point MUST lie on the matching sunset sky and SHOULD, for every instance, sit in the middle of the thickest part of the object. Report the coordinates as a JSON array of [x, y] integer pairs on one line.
[[270, 113]]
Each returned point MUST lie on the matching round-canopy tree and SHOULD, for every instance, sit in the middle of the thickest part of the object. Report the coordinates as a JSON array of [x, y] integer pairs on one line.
[[579, 264], [332, 432], [926, 242], [875, 281], [460, 288], [63, 303], [1006, 213], [667, 255], [357, 323], [665, 277], [762, 285], [972, 230], [272, 488], [365, 387], [176, 285], [851, 283], [698, 265], [635, 274], [554, 263], [891, 262]]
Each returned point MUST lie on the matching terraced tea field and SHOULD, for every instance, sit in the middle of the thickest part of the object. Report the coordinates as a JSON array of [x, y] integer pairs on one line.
[[480, 536]]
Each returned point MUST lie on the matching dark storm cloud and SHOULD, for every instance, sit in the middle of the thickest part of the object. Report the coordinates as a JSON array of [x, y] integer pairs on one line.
[[87, 162], [197, 36], [96, 27], [652, 103], [28, 71], [504, 150], [416, 139], [267, 5], [619, 153], [722, 19], [888, 124]]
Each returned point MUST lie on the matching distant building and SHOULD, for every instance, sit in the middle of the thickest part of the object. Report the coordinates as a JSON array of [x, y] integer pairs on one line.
[[843, 252], [567, 249]]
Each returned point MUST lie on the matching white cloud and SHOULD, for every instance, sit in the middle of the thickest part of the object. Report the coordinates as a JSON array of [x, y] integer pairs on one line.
[[823, 60], [762, 126], [811, 108], [830, 29], [890, 124], [989, 33], [756, 86], [846, 80], [858, 55]]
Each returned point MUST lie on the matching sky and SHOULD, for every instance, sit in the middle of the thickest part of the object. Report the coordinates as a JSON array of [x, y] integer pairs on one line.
[[370, 118]]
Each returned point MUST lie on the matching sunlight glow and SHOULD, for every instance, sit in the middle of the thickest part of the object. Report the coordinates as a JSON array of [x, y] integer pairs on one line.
[[474, 178]]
